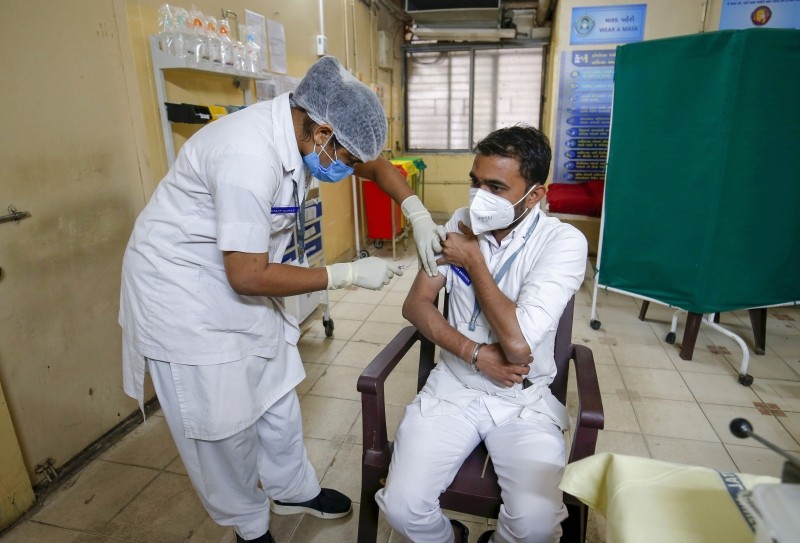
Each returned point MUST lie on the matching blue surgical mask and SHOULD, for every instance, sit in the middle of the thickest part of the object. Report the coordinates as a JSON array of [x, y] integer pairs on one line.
[[337, 170]]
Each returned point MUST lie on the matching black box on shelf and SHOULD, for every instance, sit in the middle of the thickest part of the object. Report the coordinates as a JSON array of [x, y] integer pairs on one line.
[[188, 113]]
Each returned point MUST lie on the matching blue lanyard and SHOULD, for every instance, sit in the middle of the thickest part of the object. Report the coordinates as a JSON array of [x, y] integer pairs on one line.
[[502, 271], [300, 220], [299, 209]]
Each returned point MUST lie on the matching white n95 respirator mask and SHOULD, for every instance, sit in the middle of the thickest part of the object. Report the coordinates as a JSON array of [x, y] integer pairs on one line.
[[489, 212]]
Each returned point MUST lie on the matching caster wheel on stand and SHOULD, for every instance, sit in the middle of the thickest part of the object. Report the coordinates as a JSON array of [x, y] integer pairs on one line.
[[595, 324], [745, 380], [363, 254], [328, 324], [378, 243], [670, 338]]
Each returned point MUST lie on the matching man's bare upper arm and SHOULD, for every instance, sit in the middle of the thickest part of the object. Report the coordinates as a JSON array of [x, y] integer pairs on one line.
[[422, 293]]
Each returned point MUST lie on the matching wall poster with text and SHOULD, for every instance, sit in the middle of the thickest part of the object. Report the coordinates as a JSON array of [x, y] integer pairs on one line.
[[741, 14], [586, 88], [584, 115], [607, 24]]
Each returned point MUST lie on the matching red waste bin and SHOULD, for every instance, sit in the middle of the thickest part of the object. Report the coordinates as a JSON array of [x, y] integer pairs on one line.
[[378, 210]]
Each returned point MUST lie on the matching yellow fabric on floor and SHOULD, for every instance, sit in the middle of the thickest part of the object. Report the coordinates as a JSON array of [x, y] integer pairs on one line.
[[651, 501]]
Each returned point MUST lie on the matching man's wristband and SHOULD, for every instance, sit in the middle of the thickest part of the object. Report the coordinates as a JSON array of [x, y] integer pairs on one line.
[[474, 359]]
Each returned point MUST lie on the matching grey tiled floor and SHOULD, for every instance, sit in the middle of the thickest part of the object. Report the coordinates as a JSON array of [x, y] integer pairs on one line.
[[656, 406]]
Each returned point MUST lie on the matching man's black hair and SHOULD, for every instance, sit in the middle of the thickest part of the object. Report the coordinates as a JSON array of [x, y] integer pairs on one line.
[[523, 142]]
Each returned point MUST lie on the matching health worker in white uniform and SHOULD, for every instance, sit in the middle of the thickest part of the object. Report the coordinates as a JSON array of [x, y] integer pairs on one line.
[[510, 271], [202, 284]]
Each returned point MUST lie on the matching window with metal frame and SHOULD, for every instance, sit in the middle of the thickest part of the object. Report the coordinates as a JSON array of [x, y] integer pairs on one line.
[[455, 97]]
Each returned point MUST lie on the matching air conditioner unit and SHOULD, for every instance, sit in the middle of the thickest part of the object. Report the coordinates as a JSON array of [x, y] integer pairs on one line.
[[455, 13], [458, 20]]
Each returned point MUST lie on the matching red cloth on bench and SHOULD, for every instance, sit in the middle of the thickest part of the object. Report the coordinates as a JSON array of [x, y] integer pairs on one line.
[[576, 198]]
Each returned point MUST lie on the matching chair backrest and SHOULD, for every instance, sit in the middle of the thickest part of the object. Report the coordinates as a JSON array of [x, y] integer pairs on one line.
[[562, 352]]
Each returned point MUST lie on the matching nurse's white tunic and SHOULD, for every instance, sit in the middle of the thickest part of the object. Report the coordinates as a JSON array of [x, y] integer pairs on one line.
[[232, 188]]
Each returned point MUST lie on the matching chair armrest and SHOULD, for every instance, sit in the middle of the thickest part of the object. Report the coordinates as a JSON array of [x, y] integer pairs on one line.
[[590, 404], [371, 386], [374, 375]]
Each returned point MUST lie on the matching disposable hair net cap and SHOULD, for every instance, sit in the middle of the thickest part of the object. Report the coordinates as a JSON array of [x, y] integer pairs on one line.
[[331, 95]]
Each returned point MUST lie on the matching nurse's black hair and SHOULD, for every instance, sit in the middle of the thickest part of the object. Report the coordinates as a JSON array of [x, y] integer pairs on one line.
[[523, 142], [309, 124]]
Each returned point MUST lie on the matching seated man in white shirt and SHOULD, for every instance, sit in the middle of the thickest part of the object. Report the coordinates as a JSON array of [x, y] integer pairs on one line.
[[510, 271]]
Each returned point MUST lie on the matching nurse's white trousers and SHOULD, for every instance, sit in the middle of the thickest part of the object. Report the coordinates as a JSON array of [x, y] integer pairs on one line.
[[528, 457], [226, 472]]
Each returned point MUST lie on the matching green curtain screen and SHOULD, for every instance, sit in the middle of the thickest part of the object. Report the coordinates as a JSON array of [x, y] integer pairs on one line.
[[702, 197]]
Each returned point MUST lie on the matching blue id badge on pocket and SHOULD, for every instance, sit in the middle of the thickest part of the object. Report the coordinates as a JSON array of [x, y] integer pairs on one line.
[[276, 210], [462, 274]]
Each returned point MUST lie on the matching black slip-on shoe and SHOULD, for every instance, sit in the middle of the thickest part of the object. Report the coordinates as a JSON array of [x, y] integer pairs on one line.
[[328, 504], [486, 536], [266, 538], [464, 530]]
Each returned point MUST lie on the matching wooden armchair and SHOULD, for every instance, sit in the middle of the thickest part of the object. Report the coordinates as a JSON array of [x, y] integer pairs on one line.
[[474, 490]]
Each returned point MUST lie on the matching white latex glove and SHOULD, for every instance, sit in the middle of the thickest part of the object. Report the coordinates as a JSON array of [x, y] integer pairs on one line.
[[372, 273], [427, 234]]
